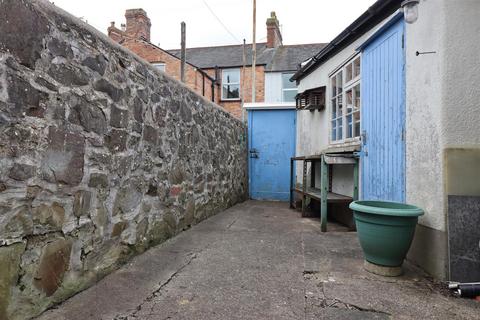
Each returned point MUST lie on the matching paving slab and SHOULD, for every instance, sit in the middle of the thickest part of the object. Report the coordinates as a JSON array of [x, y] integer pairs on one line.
[[260, 260]]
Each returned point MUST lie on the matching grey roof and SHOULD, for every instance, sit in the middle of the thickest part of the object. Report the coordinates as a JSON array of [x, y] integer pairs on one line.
[[284, 58], [287, 58], [225, 56]]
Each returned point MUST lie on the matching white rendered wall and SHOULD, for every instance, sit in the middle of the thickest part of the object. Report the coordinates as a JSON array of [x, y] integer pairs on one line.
[[461, 76], [424, 164]]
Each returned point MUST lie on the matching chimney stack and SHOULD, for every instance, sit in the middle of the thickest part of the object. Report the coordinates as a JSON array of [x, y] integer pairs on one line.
[[138, 24], [274, 36]]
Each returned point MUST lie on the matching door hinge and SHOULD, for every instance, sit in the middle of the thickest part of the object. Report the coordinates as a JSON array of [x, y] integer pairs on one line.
[[403, 40]]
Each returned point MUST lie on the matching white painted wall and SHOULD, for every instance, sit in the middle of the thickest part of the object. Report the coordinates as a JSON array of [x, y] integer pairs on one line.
[[443, 98], [461, 76], [424, 165]]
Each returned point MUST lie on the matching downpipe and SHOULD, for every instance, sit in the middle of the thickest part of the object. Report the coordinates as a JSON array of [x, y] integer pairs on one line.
[[465, 290]]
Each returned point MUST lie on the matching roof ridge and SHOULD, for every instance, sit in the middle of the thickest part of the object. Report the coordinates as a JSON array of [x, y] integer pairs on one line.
[[222, 46], [305, 44]]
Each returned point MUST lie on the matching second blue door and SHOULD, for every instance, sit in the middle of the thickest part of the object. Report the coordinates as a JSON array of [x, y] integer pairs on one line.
[[271, 145], [383, 115]]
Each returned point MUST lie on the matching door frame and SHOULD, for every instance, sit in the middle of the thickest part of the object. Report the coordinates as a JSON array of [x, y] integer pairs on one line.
[[251, 108]]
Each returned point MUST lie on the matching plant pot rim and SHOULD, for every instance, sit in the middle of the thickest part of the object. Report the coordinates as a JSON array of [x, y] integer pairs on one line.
[[386, 208]]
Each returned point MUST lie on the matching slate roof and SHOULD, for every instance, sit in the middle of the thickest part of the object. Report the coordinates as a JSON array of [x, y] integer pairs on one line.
[[284, 58], [287, 58]]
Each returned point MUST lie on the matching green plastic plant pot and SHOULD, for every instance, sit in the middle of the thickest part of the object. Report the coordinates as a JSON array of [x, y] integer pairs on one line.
[[385, 230]]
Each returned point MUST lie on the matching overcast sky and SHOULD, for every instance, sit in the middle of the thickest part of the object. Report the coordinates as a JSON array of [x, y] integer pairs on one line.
[[302, 21]]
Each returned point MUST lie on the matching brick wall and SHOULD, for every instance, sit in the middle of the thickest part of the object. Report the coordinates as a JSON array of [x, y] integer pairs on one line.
[[193, 77], [235, 107]]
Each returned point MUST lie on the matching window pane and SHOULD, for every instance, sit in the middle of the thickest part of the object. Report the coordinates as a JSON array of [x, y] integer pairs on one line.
[[231, 76], [289, 95], [334, 131], [349, 126], [348, 72], [339, 107], [357, 97], [159, 66], [334, 108], [356, 120], [334, 86], [349, 101], [231, 91], [339, 82], [286, 83], [356, 67]]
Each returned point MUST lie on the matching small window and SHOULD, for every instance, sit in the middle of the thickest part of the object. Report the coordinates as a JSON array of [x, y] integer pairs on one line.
[[289, 88], [230, 84], [159, 65]]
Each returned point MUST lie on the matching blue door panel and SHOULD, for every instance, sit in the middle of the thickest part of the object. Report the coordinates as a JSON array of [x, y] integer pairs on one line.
[[383, 116], [271, 145]]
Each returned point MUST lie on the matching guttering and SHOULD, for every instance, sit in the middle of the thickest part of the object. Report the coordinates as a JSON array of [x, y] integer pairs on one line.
[[378, 11]]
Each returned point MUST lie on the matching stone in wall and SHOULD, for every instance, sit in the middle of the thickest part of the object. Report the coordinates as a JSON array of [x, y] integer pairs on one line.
[[101, 157]]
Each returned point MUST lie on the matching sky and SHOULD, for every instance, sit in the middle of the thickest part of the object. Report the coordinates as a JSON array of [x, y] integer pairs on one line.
[[302, 21]]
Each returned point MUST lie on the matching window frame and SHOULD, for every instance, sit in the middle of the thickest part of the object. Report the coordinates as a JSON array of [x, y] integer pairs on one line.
[[295, 89], [347, 85], [158, 64], [231, 83]]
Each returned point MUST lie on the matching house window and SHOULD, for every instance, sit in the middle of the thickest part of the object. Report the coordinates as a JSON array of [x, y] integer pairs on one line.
[[289, 88], [230, 84], [345, 100], [159, 65]]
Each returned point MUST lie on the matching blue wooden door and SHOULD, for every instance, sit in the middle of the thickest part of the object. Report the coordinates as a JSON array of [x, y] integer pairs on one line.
[[271, 145], [383, 115]]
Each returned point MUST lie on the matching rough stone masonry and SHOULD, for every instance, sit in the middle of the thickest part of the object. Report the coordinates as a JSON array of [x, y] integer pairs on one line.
[[101, 157]]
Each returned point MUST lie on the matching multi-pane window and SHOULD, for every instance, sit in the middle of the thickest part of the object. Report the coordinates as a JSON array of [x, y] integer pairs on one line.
[[230, 84], [337, 106], [159, 65], [289, 88], [345, 100]]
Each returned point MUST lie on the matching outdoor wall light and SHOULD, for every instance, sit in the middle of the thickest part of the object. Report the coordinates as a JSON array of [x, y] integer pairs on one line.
[[410, 10]]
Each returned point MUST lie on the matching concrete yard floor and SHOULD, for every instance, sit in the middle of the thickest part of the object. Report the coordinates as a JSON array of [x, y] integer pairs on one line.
[[260, 260]]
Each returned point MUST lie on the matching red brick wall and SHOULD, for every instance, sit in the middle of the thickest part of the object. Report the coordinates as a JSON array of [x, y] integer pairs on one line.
[[193, 78], [235, 107]]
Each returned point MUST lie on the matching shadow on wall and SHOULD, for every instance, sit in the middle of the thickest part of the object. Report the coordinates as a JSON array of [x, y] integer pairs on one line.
[[101, 157]]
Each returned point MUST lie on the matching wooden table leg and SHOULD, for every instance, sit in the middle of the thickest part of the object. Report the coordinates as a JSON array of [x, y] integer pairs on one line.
[[304, 188], [324, 194]]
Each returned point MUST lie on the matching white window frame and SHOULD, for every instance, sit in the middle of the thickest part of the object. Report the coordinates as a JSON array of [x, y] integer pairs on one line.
[[287, 89], [347, 85], [231, 83], [160, 66]]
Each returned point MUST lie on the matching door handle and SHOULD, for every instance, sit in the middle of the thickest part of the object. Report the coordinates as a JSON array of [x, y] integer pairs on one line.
[[253, 153]]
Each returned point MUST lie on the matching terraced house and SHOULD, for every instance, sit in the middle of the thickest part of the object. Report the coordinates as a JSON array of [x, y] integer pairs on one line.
[[223, 74]]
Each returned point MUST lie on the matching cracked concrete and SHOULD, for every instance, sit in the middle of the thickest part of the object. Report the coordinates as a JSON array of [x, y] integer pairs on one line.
[[260, 260]]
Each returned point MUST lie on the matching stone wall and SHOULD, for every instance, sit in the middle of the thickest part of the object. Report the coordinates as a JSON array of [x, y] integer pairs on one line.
[[101, 157]]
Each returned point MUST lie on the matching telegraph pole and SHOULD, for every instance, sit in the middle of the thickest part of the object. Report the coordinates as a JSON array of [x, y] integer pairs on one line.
[[183, 54], [254, 48]]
